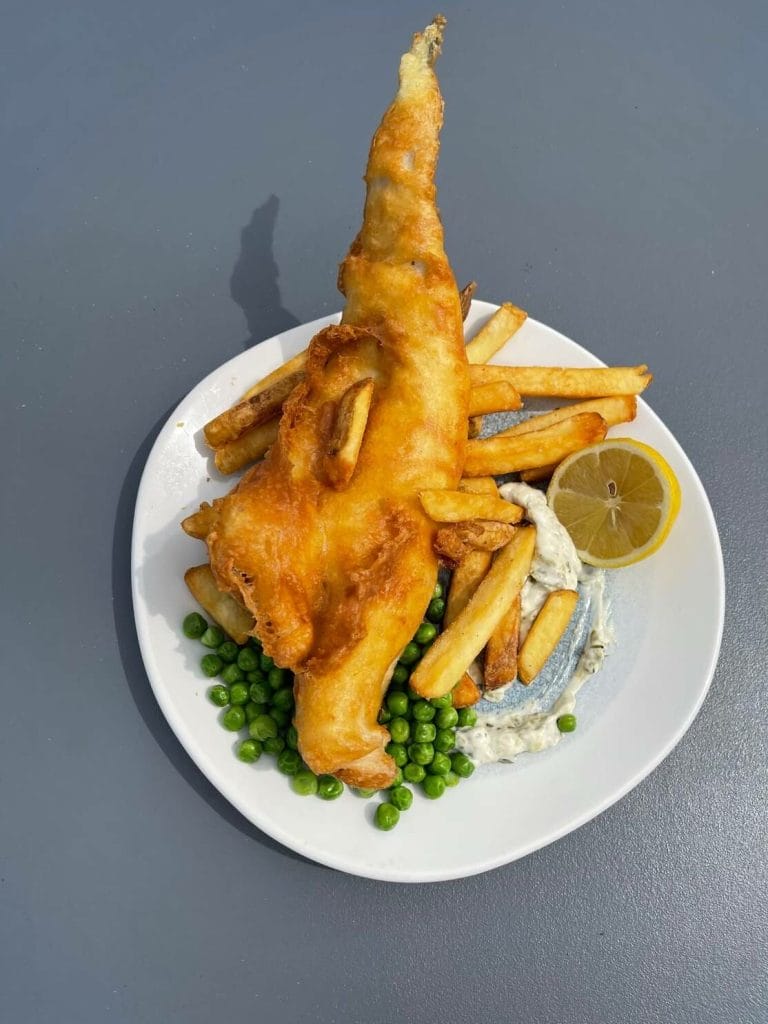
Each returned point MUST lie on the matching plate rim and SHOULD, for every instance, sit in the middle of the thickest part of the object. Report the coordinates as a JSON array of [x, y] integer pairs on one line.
[[207, 765]]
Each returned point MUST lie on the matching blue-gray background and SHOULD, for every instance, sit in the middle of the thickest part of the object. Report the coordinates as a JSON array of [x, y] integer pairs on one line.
[[605, 166]]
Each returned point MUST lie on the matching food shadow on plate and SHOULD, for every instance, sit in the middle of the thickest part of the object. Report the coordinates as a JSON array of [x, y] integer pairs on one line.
[[133, 666]]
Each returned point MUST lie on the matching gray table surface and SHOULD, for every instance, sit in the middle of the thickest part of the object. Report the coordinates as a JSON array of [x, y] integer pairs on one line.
[[179, 181]]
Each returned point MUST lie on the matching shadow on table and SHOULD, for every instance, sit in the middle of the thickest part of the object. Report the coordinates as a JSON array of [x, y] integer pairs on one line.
[[254, 281]]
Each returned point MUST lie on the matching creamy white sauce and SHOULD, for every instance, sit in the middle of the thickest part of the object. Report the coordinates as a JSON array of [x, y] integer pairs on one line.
[[556, 566]]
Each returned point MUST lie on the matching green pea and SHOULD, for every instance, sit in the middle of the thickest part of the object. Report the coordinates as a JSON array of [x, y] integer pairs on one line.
[[283, 718], [265, 662], [411, 654], [400, 675], [424, 732], [219, 695], [288, 762], [401, 797], [263, 727], [451, 779], [421, 753], [213, 637], [414, 772], [238, 694], [277, 678], [433, 786], [566, 723], [398, 779], [260, 693], [441, 764], [211, 664], [438, 591], [255, 643], [397, 702], [257, 676], [423, 711], [292, 738], [447, 718], [227, 651], [445, 740], [398, 753], [233, 719], [411, 694], [366, 793], [232, 674], [274, 745], [194, 625], [461, 764], [467, 718], [253, 710], [426, 633], [436, 609], [384, 716], [441, 702], [283, 699], [249, 751], [248, 659], [387, 816], [304, 782], [399, 730], [329, 788]]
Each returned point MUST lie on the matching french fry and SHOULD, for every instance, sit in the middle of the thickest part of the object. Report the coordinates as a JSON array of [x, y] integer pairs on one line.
[[465, 297], [458, 506], [225, 609], [494, 455], [614, 410], [474, 426], [293, 365], [479, 485], [466, 692], [200, 523], [562, 382], [249, 447], [534, 476], [500, 663], [262, 407], [348, 431], [456, 648], [544, 635], [453, 543], [495, 396], [466, 578], [493, 335]]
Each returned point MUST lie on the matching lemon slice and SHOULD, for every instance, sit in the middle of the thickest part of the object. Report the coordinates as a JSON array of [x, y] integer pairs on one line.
[[617, 499]]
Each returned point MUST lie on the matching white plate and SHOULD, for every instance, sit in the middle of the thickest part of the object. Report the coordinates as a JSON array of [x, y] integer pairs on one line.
[[668, 613]]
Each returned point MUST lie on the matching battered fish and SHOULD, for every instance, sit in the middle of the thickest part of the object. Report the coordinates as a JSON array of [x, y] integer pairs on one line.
[[338, 575]]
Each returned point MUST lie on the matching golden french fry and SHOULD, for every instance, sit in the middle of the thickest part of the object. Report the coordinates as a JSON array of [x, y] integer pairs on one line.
[[533, 476], [249, 447], [200, 523], [475, 426], [500, 663], [479, 485], [465, 297], [505, 322], [228, 612], [495, 455], [560, 382], [348, 431], [456, 648], [454, 542], [614, 410], [293, 365], [544, 635], [466, 578], [262, 407], [459, 506], [495, 396], [466, 692]]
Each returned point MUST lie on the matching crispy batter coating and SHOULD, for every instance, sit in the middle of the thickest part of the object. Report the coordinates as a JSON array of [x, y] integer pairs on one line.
[[338, 580]]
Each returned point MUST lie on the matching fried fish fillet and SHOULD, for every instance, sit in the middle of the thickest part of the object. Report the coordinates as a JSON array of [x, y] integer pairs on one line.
[[337, 572]]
